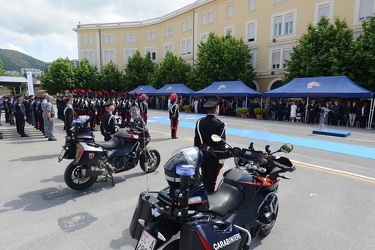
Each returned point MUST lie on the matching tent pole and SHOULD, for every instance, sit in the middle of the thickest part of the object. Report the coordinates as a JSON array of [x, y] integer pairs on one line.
[[261, 102], [307, 104], [371, 114], [246, 101]]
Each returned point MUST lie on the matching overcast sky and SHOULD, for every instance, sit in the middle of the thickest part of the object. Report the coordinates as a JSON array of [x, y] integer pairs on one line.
[[43, 29]]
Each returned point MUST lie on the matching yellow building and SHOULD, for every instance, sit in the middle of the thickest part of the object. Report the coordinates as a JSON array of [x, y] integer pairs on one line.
[[270, 28]]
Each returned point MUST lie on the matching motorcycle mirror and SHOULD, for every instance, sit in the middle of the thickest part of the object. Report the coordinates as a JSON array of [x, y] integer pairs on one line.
[[286, 148], [216, 138]]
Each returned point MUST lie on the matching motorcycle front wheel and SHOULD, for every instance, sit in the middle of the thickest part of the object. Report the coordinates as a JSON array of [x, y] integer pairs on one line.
[[75, 179], [150, 161], [265, 230]]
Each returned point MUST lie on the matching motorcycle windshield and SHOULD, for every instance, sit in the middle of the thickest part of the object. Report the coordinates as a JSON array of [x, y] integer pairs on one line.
[[259, 136]]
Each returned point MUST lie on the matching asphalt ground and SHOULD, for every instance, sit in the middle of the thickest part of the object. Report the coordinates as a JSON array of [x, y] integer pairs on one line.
[[327, 204]]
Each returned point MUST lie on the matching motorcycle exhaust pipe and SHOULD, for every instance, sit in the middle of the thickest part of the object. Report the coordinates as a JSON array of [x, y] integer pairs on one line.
[[89, 171]]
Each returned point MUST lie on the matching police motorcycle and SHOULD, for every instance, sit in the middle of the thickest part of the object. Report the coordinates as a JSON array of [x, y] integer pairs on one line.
[[121, 153], [183, 216]]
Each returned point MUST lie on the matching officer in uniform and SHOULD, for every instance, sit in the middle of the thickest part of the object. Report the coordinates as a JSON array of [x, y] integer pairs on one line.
[[43, 106], [107, 124], [20, 113], [143, 106], [50, 114], [205, 127], [69, 114], [174, 115]]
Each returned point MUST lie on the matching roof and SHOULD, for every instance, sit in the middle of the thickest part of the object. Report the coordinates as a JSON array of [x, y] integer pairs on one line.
[[178, 88], [143, 89], [12, 81], [228, 88], [327, 86]]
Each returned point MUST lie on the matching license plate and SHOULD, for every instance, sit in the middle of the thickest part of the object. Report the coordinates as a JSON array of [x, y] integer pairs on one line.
[[146, 242], [61, 156]]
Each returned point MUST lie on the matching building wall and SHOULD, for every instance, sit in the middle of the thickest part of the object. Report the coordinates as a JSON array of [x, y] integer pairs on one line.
[[182, 30]]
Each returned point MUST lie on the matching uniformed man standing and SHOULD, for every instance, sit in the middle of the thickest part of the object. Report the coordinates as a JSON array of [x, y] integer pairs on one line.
[[20, 113], [50, 114], [107, 124], [205, 127], [143, 106], [69, 114], [174, 115], [43, 106]]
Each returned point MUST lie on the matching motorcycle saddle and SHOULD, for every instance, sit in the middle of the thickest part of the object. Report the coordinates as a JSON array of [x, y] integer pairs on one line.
[[111, 144], [225, 200]]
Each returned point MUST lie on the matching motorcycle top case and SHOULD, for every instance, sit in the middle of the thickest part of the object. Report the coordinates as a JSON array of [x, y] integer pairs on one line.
[[88, 155], [209, 235]]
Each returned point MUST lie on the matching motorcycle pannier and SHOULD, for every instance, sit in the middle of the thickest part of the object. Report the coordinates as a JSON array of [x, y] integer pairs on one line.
[[142, 211], [209, 235]]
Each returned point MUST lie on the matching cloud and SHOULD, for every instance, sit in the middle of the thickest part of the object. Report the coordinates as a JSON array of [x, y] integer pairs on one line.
[[12, 47], [43, 28]]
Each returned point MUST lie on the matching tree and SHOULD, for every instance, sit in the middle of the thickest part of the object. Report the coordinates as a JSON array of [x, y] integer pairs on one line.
[[86, 76], [59, 77], [325, 50], [138, 71], [111, 78], [363, 70], [221, 59], [2, 71], [170, 70]]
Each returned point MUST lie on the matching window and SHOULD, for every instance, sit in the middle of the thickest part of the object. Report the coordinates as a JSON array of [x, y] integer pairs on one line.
[[88, 55], [204, 38], [230, 10], [168, 31], [277, 25], [168, 48], [210, 17], [130, 38], [150, 36], [284, 24], [87, 40], [204, 19], [323, 11], [288, 24], [286, 56], [186, 47], [276, 59], [253, 59], [152, 52], [366, 8], [129, 53], [229, 31], [109, 55], [251, 31], [252, 5], [109, 38], [186, 25]]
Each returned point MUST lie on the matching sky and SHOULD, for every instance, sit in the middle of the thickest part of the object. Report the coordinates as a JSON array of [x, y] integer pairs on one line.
[[43, 29]]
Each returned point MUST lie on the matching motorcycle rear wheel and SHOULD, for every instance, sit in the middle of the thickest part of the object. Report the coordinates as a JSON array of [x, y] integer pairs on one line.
[[74, 179], [149, 164]]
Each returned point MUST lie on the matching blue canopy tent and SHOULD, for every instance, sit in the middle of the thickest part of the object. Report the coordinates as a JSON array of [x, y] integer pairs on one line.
[[327, 86], [228, 88], [143, 89], [179, 88]]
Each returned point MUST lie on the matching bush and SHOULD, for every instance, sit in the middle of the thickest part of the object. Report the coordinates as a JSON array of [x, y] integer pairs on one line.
[[259, 111], [186, 107], [242, 110]]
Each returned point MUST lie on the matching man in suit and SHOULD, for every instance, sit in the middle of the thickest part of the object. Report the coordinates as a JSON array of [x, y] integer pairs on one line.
[[69, 114]]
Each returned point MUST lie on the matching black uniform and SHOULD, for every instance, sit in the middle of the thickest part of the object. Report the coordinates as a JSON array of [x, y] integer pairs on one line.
[[69, 116], [20, 113], [107, 125], [205, 127], [173, 116]]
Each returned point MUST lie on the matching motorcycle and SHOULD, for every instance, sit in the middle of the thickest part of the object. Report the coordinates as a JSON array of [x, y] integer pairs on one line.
[[93, 159], [184, 216]]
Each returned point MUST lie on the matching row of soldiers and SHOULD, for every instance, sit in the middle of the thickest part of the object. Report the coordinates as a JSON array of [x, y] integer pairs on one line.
[[93, 106]]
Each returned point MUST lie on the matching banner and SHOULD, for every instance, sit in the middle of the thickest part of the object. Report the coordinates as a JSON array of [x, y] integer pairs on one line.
[[30, 85]]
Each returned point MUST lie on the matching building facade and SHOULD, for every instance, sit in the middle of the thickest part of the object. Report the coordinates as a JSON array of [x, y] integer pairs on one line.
[[270, 28]]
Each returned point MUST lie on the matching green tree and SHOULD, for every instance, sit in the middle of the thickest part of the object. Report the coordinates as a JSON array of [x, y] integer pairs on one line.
[[111, 78], [171, 70], [139, 71], [221, 59], [2, 71], [363, 71], [86, 76], [59, 77], [325, 50]]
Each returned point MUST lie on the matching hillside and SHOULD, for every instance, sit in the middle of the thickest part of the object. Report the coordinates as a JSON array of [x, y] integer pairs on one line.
[[14, 60]]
